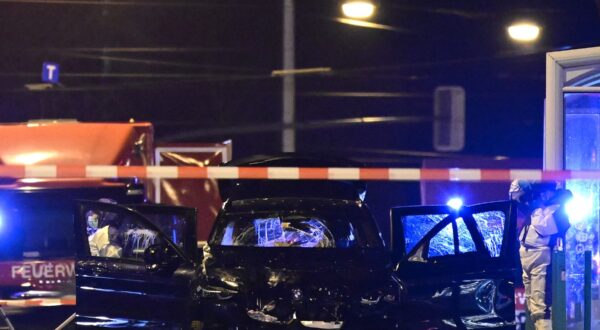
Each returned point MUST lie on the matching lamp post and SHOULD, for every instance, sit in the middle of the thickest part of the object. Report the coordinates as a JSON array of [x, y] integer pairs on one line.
[[288, 138], [355, 9]]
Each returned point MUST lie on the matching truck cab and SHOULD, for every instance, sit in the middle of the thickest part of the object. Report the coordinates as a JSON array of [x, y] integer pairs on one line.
[[37, 246]]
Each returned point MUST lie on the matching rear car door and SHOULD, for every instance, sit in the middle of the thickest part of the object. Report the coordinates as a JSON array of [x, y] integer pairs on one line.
[[456, 268], [135, 267]]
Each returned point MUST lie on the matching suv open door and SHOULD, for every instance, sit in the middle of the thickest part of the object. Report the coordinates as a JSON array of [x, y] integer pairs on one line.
[[135, 267], [456, 268]]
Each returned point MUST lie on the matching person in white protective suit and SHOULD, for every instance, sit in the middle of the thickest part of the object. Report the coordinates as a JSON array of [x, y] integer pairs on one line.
[[103, 241], [542, 222]]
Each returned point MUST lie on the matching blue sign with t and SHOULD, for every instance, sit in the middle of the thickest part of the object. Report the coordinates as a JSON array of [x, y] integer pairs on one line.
[[50, 72]]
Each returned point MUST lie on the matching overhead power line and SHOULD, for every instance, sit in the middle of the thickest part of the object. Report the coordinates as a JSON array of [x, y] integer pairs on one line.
[[427, 64], [153, 62], [147, 75], [135, 3], [132, 49], [276, 127], [177, 83], [367, 94]]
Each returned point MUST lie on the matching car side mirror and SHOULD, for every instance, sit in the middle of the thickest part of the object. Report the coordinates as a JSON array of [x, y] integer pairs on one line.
[[159, 257]]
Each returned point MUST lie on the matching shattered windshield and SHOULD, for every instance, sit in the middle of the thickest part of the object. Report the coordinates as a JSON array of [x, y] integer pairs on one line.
[[310, 228], [294, 231]]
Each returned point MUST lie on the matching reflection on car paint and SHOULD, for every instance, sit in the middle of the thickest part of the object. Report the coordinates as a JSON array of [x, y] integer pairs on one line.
[[89, 288], [479, 303], [120, 323], [322, 325]]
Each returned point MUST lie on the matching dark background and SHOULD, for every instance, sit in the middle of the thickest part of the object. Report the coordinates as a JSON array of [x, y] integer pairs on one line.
[[201, 71], [194, 65]]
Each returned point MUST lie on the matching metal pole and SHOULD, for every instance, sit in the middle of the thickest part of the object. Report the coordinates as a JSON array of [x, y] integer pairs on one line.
[[559, 291], [66, 322], [288, 141], [5, 322], [587, 292]]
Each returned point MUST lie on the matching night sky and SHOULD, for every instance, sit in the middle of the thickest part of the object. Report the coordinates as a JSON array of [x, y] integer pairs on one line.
[[201, 70]]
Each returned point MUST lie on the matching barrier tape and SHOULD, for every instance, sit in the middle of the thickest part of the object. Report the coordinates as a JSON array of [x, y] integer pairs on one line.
[[39, 302], [287, 173]]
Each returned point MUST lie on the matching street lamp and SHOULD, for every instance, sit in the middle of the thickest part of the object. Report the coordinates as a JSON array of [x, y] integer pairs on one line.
[[524, 31], [358, 9]]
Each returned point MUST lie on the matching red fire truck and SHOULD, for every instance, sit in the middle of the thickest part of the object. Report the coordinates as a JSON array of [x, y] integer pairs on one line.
[[36, 215]]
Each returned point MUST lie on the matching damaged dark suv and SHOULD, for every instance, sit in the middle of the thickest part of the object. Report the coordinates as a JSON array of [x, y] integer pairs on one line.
[[315, 261], [290, 252]]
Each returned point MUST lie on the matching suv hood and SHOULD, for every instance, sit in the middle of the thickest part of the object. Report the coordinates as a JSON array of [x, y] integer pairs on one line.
[[273, 267]]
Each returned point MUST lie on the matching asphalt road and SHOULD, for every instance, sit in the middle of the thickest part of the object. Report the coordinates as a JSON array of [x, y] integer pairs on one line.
[[38, 318]]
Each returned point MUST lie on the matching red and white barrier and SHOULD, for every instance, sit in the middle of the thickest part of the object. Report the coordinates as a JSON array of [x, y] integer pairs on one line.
[[39, 302], [285, 173]]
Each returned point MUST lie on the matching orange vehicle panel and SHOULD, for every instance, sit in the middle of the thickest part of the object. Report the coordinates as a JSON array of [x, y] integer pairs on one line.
[[70, 143]]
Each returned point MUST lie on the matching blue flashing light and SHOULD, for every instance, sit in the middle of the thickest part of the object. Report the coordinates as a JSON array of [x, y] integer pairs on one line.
[[579, 209], [455, 203]]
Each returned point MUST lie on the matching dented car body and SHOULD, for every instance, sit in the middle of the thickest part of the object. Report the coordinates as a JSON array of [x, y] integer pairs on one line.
[[457, 268], [294, 260]]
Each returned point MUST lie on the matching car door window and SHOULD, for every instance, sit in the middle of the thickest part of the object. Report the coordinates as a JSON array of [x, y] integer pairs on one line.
[[446, 242], [491, 226], [176, 223], [465, 240], [118, 235], [420, 233], [442, 244], [172, 225], [415, 227], [462, 267]]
